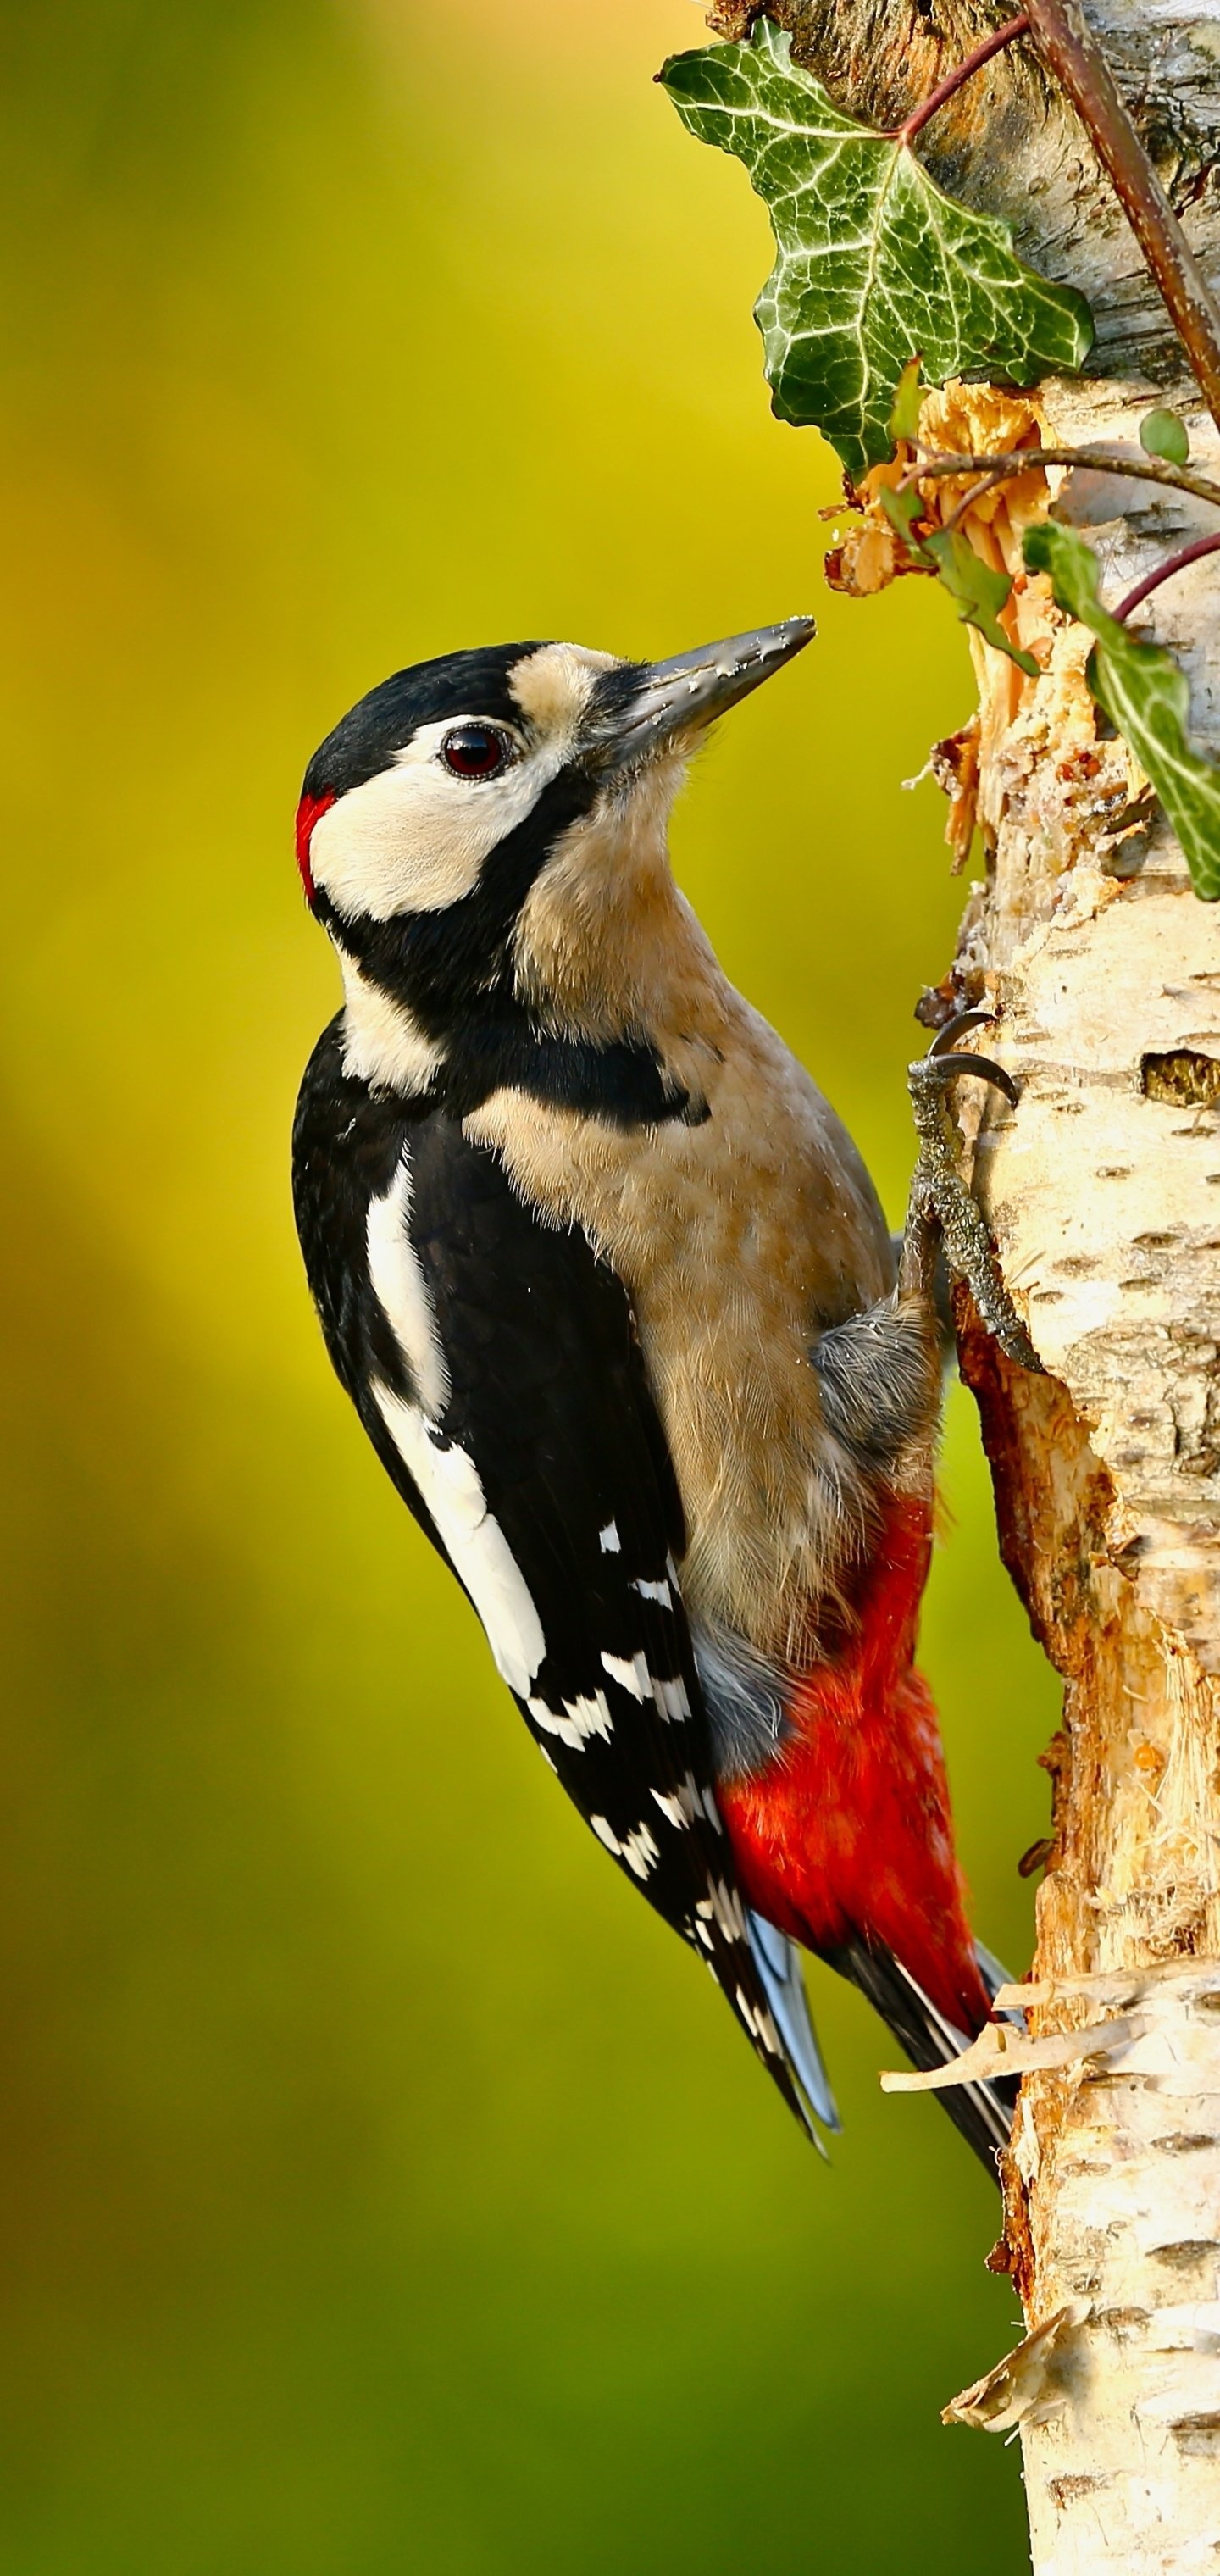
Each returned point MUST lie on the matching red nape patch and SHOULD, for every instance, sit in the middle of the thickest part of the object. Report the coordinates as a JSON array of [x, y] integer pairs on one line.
[[849, 1830], [310, 811]]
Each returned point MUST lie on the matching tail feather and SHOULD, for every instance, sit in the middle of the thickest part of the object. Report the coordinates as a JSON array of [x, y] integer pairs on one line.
[[994, 1975], [779, 1965], [982, 2111]]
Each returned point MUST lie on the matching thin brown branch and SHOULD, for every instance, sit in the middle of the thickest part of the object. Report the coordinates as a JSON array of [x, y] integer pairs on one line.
[[1099, 460], [1069, 50], [946, 89], [1165, 572]]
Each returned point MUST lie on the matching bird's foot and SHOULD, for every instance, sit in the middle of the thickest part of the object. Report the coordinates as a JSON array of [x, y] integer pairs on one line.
[[942, 1209]]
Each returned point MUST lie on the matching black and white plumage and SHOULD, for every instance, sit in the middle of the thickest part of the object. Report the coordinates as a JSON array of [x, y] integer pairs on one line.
[[612, 1294], [493, 1363]]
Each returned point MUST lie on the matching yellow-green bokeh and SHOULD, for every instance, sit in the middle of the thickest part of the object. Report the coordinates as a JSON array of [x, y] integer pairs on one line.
[[384, 2190]]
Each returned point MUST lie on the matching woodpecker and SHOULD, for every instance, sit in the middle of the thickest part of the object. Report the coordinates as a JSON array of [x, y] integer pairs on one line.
[[612, 1293]]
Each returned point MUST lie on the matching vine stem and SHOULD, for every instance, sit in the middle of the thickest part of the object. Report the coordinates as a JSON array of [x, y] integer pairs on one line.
[[1000, 469], [1165, 572], [1069, 50], [973, 62]]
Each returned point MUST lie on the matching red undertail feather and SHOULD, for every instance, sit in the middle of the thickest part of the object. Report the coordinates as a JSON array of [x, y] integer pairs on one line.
[[848, 1831]]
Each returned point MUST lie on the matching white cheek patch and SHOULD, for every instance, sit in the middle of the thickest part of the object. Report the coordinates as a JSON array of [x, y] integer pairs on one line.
[[399, 1285], [449, 1484], [415, 838]]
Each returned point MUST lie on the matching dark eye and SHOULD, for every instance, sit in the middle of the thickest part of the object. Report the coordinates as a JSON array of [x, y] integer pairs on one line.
[[474, 751]]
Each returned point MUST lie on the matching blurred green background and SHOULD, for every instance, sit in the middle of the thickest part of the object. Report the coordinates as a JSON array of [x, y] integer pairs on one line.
[[383, 2187]]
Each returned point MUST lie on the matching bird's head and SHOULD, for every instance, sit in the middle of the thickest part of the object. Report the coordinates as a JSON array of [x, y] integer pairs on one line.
[[472, 830]]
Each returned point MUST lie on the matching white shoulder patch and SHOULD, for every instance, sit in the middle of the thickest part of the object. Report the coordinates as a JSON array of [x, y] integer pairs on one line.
[[450, 1485], [400, 1288]]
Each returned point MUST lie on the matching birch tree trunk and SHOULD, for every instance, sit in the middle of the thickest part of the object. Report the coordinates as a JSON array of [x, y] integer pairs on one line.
[[1103, 1193]]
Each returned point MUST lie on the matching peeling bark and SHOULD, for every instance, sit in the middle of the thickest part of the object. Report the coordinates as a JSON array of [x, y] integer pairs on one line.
[[1103, 1193]]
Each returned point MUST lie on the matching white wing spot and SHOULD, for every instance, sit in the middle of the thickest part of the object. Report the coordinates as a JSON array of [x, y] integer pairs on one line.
[[654, 1592], [449, 1483], [581, 1718], [608, 1539], [640, 1851], [759, 2023], [727, 1907], [683, 1805], [637, 1848], [768, 2033], [628, 1675]]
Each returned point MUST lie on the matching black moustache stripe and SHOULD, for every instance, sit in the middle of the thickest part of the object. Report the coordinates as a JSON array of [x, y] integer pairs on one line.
[[452, 972]]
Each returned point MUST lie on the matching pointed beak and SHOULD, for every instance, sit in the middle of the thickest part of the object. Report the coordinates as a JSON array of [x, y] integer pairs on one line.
[[659, 705]]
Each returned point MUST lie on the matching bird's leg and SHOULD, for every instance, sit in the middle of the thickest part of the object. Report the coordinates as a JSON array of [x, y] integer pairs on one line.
[[941, 1211]]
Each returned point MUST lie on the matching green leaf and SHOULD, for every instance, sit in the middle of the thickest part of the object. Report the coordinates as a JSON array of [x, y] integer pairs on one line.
[[980, 592], [902, 509], [1145, 693], [1163, 434], [874, 261], [904, 413]]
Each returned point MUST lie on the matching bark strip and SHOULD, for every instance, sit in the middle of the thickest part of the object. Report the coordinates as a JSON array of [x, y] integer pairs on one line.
[[1103, 1193]]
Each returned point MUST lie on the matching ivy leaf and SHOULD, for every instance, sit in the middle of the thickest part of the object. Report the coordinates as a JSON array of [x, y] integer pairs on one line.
[[1163, 434], [904, 413], [902, 509], [1145, 693], [874, 260], [980, 592]]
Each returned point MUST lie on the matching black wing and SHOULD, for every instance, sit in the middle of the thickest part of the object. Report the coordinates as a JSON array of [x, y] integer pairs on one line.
[[499, 1377]]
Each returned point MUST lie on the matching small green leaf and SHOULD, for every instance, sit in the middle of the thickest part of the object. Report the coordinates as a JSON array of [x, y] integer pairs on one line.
[[874, 261], [1163, 434], [1145, 693], [902, 509], [904, 416], [979, 591]]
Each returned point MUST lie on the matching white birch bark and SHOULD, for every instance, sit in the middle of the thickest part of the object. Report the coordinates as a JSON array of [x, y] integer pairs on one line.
[[1103, 1191]]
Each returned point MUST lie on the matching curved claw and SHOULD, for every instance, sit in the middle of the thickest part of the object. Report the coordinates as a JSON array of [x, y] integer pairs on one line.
[[956, 1028], [983, 1066]]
